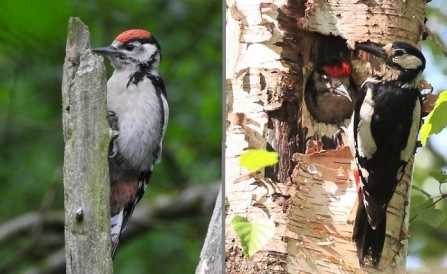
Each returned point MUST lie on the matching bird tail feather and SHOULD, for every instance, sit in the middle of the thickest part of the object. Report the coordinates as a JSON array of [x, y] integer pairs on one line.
[[368, 240]]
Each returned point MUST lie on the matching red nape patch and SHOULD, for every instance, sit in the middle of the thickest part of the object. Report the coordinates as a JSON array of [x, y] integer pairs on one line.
[[342, 69], [133, 34]]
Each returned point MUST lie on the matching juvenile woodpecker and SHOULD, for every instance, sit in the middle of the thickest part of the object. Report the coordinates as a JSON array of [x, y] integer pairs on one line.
[[136, 101], [329, 92], [382, 135]]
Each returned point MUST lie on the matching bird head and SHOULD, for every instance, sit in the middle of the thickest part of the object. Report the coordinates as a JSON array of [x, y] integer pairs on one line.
[[133, 48], [401, 56], [335, 77]]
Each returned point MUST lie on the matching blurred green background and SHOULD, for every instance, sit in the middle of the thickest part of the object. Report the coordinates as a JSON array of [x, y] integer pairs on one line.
[[32, 50], [427, 250]]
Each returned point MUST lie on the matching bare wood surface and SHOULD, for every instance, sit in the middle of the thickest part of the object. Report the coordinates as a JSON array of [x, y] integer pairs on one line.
[[86, 175], [211, 256]]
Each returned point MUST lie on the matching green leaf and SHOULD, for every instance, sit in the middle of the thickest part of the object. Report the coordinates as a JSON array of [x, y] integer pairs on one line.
[[420, 207], [421, 201], [255, 159], [439, 175], [418, 204], [431, 216], [436, 120], [253, 236]]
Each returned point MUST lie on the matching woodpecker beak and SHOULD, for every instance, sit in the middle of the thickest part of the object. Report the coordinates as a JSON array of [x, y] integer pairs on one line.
[[341, 90], [376, 51], [105, 50]]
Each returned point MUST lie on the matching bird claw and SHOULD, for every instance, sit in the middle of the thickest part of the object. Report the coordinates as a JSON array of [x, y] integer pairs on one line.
[[112, 118], [114, 149], [340, 136]]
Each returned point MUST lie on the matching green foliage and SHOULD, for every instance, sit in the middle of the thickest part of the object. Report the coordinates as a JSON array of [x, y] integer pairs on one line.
[[439, 175], [436, 120], [255, 159], [32, 50], [253, 235], [421, 207]]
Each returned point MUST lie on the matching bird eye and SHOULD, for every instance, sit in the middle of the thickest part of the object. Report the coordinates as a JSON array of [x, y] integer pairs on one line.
[[130, 47], [399, 52]]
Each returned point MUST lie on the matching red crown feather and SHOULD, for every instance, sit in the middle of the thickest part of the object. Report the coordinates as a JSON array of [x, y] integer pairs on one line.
[[342, 69], [133, 34]]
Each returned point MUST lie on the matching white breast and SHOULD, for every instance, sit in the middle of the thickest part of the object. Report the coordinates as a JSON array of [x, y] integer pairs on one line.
[[139, 119]]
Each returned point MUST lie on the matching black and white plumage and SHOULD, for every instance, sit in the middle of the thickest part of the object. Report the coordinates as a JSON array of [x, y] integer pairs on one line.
[[382, 134], [136, 101]]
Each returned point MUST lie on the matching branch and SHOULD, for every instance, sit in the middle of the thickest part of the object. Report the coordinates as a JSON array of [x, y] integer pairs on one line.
[[190, 202], [26, 222], [37, 228], [431, 35]]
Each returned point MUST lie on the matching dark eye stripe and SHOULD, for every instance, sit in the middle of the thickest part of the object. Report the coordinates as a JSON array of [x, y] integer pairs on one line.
[[399, 52]]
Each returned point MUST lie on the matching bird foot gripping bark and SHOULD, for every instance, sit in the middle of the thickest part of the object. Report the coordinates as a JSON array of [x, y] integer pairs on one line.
[[339, 137], [112, 118]]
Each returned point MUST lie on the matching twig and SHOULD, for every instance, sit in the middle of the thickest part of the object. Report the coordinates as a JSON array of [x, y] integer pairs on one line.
[[26, 221], [37, 228], [190, 202], [431, 35], [422, 191]]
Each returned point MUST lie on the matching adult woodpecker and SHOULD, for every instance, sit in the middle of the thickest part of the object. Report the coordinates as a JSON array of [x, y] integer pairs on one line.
[[382, 133], [136, 101]]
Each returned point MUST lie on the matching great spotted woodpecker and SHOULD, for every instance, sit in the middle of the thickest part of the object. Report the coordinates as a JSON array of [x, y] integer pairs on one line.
[[329, 95], [136, 101], [382, 135]]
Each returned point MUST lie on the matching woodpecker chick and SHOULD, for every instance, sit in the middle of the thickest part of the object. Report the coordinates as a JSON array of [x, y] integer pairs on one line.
[[383, 133], [329, 92], [136, 101]]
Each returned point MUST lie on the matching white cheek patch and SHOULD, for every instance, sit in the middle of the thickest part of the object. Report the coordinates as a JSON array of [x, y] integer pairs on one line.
[[408, 61], [150, 49]]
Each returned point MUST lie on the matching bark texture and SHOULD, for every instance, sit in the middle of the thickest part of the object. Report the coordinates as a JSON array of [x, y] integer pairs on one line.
[[86, 175], [211, 256], [271, 48]]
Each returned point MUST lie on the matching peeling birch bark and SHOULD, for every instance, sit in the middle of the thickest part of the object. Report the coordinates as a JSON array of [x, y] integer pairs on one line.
[[270, 54]]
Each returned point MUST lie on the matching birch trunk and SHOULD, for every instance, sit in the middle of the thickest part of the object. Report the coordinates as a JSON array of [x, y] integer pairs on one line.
[[270, 54]]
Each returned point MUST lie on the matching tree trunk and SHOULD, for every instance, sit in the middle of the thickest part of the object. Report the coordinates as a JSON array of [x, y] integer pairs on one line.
[[211, 254], [86, 173], [271, 51]]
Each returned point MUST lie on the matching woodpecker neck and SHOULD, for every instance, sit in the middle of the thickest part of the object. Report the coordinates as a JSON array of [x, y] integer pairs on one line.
[[404, 78]]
